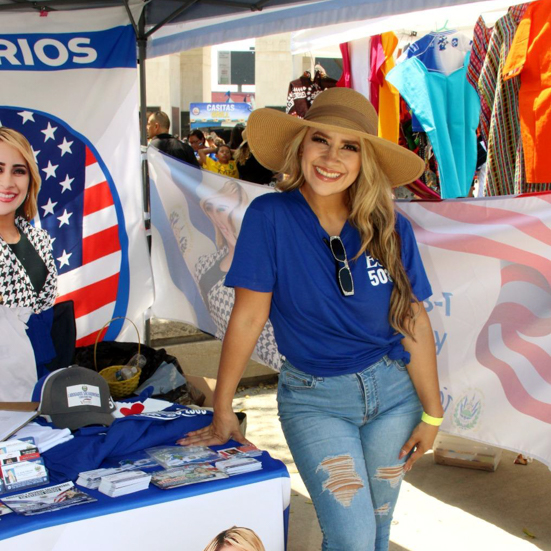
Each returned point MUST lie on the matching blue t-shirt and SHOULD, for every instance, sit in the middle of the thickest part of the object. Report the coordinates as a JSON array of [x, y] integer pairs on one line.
[[281, 249], [448, 108]]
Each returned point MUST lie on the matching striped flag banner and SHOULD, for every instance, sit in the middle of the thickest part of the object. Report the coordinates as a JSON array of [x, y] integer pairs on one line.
[[74, 95], [488, 263]]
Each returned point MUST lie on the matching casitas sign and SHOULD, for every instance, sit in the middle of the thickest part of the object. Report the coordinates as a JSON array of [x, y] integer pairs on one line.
[[216, 114]]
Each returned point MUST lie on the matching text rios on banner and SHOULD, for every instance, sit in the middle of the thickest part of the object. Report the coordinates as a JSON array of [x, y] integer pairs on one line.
[[70, 86]]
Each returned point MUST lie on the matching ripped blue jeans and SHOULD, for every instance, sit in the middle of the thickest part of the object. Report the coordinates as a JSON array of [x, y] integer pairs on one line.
[[345, 434]]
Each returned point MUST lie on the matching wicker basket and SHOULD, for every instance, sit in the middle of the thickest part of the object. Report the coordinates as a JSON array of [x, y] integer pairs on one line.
[[118, 389]]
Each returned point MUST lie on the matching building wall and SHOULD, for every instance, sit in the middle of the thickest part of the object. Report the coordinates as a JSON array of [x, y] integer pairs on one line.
[[274, 70], [175, 81], [163, 84], [195, 77]]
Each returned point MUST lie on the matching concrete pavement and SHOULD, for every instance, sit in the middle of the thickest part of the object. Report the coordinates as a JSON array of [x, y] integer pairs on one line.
[[440, 508]]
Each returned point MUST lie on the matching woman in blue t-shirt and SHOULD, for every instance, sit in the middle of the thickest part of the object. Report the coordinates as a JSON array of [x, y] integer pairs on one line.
[[338, 272]]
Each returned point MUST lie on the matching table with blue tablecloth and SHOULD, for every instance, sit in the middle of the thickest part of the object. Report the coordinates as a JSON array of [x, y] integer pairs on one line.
[[185, 518]]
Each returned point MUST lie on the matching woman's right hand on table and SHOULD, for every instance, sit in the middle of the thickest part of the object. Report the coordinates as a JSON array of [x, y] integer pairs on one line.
[[224, 426]]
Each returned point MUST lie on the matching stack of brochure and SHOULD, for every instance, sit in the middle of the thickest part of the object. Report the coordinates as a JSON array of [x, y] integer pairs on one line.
[[120, 484], [248, 450], [174, 456], [186, 474], [92, 479], [21, 466], [238, 465]]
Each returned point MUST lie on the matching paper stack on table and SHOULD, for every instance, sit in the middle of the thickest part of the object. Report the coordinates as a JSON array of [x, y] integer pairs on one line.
[[187, 474], [21, 466], [92, 479], [120, 484], [238, 465], [45, 437]]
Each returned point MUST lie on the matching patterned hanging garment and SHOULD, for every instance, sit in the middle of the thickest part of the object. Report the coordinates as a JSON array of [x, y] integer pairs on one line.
[[505, 175]]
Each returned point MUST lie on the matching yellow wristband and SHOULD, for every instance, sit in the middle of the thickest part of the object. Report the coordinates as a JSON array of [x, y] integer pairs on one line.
[[434, 421]]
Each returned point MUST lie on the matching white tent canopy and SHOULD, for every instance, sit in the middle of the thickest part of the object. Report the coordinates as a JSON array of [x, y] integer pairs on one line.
[[458, 17], [177, 37]]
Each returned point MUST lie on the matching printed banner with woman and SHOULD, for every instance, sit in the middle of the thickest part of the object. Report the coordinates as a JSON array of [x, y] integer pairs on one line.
[[196, 216], [70, 87], [487, 261]]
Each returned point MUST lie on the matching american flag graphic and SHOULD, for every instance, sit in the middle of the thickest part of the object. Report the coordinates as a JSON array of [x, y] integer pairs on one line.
[[515, 341], [79, 207]]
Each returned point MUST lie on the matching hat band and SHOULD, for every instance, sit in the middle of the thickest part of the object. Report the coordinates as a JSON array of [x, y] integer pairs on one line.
[[357, 120]]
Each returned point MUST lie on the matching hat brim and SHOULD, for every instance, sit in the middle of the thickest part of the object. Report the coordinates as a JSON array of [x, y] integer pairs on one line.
[[77, 420], [269, 131]]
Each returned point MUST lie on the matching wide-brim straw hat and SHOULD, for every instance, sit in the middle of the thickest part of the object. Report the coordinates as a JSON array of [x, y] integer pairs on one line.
[[338, 110]]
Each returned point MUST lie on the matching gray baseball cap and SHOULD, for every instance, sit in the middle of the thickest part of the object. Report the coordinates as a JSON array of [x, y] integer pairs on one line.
[[76, 397]]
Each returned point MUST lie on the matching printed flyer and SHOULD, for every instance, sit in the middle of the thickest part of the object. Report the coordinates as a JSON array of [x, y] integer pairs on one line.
[[47, 500]]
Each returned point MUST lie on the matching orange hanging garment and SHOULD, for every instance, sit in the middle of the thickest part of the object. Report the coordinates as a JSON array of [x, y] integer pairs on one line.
[[389, 98], [530, 56]]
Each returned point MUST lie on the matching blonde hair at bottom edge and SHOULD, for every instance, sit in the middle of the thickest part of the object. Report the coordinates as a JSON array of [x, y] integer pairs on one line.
[[236, 538]]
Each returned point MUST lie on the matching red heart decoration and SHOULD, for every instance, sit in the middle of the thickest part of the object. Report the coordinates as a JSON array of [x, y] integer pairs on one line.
[[134, 410]]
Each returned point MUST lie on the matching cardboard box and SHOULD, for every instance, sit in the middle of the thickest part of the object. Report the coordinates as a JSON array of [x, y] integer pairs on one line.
[[19, 406], [206, 386], [455, 451]]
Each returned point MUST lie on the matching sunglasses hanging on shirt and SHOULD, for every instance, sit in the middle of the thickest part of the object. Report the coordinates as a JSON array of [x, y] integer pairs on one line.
[[344, 274]]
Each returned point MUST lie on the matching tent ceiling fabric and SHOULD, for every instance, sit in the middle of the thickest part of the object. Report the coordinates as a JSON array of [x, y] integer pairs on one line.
[[461, 17], [158, 10], [275, 19], [208, 22]]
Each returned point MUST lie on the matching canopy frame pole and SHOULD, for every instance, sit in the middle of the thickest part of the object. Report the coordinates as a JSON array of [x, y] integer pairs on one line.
[[142, 45], [131, 17], [172, 16]]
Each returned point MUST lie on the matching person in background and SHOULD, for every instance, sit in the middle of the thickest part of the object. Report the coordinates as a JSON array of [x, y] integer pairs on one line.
[[158, 125], [196, 139], [212, 139], [28, 276], [338, 272], [224, 164], [236, 137], [249, 168]]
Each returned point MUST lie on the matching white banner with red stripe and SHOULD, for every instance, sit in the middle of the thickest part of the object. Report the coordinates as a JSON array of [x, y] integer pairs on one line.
[[70, 85], [488, 263]]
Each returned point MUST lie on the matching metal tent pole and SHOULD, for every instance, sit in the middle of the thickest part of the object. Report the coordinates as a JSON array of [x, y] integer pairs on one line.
[[141, 38], [142, 43]]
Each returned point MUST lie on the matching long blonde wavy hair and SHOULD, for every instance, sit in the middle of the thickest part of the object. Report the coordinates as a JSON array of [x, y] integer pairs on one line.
[[372, 213]]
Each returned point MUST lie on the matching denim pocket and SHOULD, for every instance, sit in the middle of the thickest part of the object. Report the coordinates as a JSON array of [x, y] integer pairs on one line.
[[294, 379], [400, 365]]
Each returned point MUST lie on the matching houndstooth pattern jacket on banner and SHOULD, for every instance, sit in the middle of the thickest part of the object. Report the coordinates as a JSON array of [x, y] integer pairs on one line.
[[16, 288], [220, 301]]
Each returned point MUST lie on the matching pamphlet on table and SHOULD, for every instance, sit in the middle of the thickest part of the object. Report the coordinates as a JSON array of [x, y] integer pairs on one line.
[[46, 500], [21, 466]]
